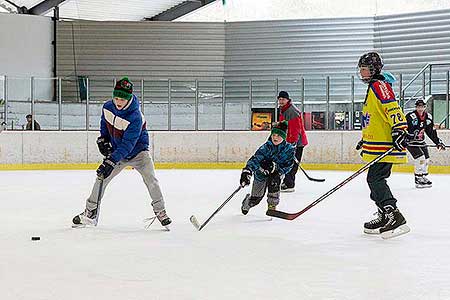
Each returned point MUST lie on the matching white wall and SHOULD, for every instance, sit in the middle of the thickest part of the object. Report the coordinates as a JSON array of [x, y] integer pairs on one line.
[[26, 48], [326, 147], [253, 10]]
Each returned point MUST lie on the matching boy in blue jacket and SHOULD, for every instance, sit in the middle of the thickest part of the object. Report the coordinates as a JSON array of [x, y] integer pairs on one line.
[[269, 164], [123, 142]]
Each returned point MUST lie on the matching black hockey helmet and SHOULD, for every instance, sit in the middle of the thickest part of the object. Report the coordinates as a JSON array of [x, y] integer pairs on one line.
[[420, 102], [373, 62]]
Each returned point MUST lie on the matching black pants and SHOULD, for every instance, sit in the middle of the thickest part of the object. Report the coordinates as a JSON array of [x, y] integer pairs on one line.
[[289, 179], [417, 152], [379, 190]]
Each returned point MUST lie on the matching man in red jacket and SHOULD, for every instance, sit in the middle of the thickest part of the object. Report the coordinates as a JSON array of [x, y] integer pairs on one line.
[[296, 136]]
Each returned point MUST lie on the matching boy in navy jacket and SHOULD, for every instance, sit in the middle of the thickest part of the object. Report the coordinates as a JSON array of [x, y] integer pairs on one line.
[[123, 142], [269, 164]]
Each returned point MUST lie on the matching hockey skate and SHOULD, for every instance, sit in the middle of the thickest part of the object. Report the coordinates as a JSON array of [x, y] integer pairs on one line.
[[245, 204], [86, 218], [427, 181], [422, 182], [286, 189], [162, 217], [396, 223], [271, 207], [373, 226]]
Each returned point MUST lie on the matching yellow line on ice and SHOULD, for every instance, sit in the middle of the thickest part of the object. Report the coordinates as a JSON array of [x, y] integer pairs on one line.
[[206, 165]]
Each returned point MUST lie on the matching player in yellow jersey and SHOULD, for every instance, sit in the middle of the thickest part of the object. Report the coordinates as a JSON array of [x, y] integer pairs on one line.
[[384, 126]]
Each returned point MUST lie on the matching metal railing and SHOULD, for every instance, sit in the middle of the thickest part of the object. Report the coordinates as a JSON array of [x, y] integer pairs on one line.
[[424, 89], [330, 103]]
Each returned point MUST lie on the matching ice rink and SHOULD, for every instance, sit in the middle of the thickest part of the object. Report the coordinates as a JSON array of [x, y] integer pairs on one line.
[[323, 254]]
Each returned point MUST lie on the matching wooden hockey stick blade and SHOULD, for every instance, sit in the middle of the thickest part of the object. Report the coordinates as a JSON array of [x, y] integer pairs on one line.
[[195, 222], [282, 214]]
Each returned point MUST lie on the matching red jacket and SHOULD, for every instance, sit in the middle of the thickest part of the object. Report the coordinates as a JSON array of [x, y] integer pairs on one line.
[[296, 130]]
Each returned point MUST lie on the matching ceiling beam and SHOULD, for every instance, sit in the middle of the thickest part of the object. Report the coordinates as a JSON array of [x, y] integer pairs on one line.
[[6, 8], [44, 6], [179, 10]]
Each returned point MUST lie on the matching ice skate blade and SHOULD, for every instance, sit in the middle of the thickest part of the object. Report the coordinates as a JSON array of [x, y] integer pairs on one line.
[[78, 225], [419, 186], [288, 190], [84, 225], [167, 228], [372, 231], [403, 229]]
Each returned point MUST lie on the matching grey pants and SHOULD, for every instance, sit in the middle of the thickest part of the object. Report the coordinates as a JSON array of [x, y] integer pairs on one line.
[[143, 163], [259, 189]]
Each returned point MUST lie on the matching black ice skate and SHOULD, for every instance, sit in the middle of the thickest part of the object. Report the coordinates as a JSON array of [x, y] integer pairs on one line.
[[245, 204], [86, 218], [422, 181], [285, 189], [396, 223], [270, 207], [427, 181], [163, 218], [373, 226]]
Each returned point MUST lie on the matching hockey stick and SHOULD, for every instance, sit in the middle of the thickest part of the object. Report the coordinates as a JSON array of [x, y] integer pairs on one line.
[[76, 222], [425, 145], [194, 220], [99, 197], [309, 177], [292, 216]]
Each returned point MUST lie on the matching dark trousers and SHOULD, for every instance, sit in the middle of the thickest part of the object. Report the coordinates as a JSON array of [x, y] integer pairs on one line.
[[417, 152], [289, 179], [379, 190]]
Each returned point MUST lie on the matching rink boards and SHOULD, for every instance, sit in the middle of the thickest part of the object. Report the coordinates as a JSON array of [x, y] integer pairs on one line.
[[332, 150]]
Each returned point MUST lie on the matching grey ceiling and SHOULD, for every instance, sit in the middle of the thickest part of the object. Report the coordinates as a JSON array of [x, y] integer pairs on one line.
[[101, 10]]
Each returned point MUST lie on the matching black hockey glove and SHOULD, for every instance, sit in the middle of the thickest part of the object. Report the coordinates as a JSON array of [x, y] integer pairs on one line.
[[267, 167], [440, 145], [359, 145], [105, 169], [246, 175], [399, 139], [104, 146]]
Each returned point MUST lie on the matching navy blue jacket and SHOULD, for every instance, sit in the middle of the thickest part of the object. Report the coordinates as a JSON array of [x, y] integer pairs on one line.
[[282, 155], [126, 129]]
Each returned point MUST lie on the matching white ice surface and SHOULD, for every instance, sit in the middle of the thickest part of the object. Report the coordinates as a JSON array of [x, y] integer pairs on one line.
[[323, 254]]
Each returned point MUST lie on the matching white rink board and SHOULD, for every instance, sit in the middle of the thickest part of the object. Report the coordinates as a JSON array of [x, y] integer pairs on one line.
[[324, 147]]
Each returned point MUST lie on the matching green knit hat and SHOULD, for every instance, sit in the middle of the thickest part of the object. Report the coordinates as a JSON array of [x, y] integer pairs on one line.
[[280, 128], [123, 89]]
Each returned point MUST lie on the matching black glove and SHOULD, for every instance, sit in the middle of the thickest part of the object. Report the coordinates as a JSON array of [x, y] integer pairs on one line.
[[105, 169], [104, 146], [246, 175], [359, 145], [267, 167], [440, 145], [399, 139]]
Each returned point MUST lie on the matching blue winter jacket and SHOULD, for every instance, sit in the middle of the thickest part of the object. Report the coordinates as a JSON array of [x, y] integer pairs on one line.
[[282, 155], [126, 129]]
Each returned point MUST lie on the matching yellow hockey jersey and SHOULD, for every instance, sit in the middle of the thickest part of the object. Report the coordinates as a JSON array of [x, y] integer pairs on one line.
[[381, 113]]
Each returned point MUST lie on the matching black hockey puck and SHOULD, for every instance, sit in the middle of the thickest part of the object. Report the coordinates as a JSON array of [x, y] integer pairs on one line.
[[35, 238]]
